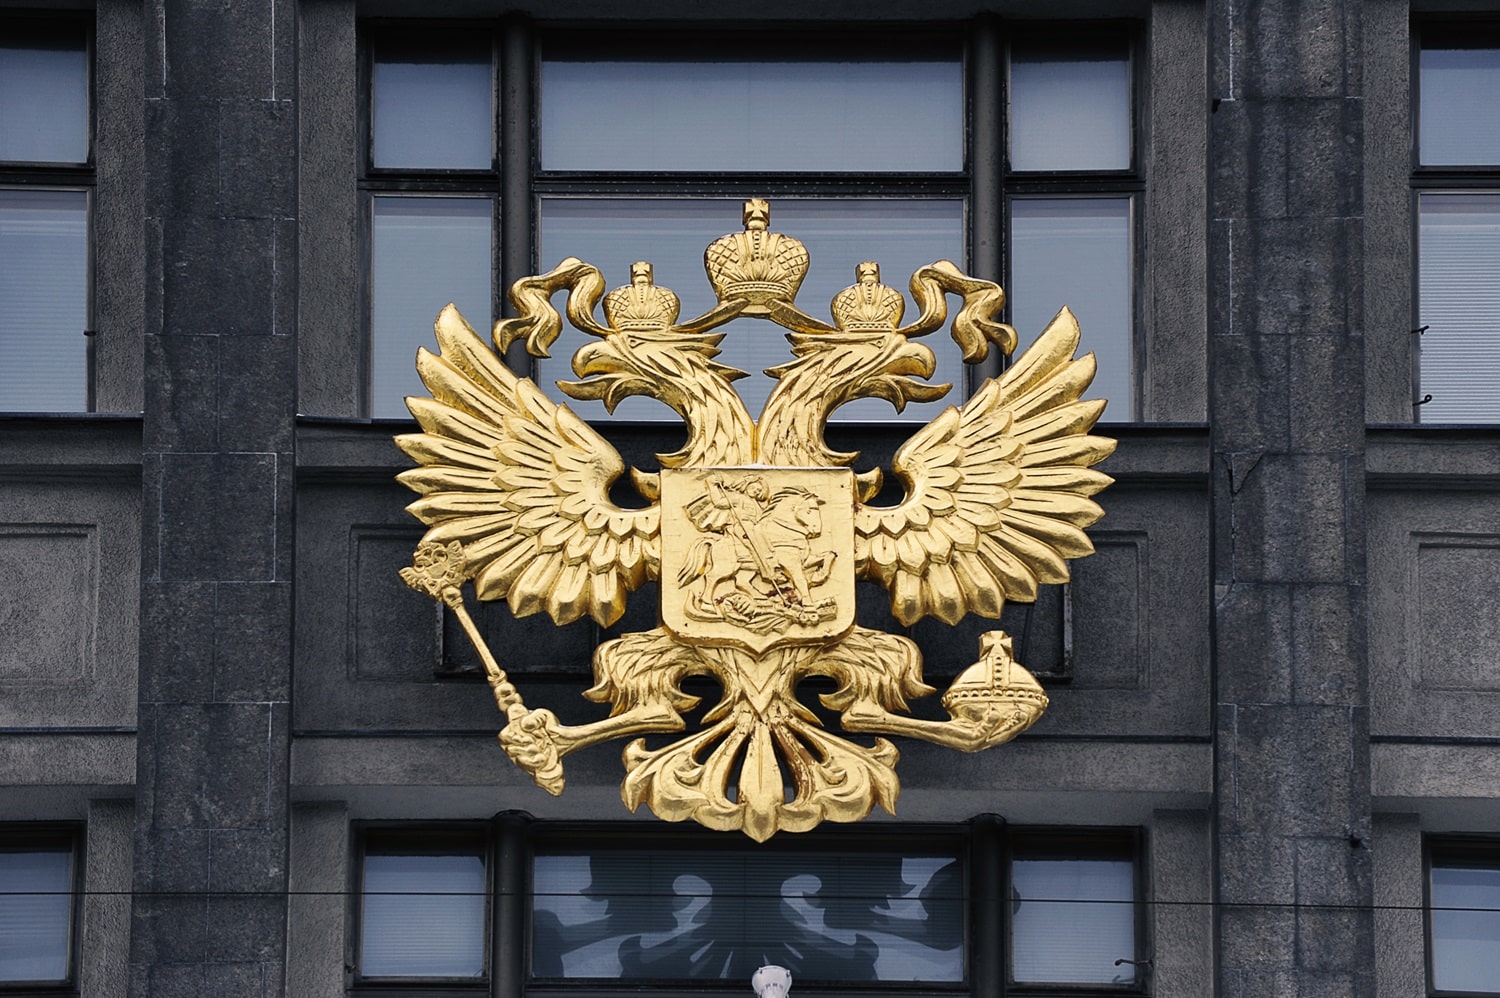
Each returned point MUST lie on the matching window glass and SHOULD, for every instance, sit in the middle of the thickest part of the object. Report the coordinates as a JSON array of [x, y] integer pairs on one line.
[[1459, 302], [36, 914], [901, 235], [1458, 123], [44, 98], [659, 914], [426, 252], [1465, 927], [433, 105], [1072, 919], [1076, 252], [1069, 106], [43, 300], [423, 916], [752, 116]]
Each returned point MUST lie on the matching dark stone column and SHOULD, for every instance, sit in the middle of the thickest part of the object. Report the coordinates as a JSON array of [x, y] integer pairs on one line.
[[209, 915], [1287, 352]]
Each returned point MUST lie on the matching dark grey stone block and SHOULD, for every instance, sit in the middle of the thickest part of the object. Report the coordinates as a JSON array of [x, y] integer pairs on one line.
[[1324, 143], [180, 980], [217, 276], [253, 644], [218, 517], [169, 928], [248, 861], [256, 404], [1325, 395], [218, 49], [1253, 369], [1329, 644], [1255, 643], [241, 980], [1257, 868], [178, 862], [251, 929], [1292, 770], [183, 178], [1259, 938], [185, 369], [1252, 183], [1290, 275], [1290, 520], [1327, 939], [256, 169], [1294, 49], [213, 766], [1332, 872]]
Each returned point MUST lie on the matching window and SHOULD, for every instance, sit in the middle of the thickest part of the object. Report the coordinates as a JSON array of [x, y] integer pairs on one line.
[[1463, 917], [643, 146], [1457, 185], [38, 887], [46, 180], [671, 909], [423, 903]]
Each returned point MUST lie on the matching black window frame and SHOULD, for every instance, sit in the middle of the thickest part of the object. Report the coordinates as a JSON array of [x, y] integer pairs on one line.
[[985, 846], [1471, 850], [1438, 179], [48, 836], [50, 176], [985, 185]]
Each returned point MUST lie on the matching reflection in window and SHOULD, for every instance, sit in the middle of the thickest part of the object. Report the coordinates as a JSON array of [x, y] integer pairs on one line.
[[637, 915], [432, 105], [1069, 106], [901, 235], [44, 96], [1073, 918], [1459, 90], [43, 300], [1076, 252], [1465, 924], [422, 916], [421, 244], [1458, 296], [752, 116], [36, 914]]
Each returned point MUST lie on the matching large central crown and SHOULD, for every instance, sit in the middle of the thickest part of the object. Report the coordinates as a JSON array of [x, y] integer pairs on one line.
[[757, 266]]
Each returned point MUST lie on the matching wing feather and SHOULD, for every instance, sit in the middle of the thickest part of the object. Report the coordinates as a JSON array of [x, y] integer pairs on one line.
[[997, 490], [523, 484]]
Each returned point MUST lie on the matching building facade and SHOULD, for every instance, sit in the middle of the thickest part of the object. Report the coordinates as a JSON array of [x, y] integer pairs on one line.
[[239, 757]]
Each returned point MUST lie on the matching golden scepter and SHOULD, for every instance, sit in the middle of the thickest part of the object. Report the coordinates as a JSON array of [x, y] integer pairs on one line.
[[439, 572]]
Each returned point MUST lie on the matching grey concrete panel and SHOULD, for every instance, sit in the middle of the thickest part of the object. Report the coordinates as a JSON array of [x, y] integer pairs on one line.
[[1112, 613], [1390, 357], [69, 622], [320, 862], [1400, 896], [119, 155], [1434, 566], [47, 624], [1175, 382], [393, 631], [67, 760], [104, 952], [330, 265], [1181, 885]]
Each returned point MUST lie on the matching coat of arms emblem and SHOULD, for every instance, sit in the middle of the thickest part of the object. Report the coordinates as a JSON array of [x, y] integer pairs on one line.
[[757, 531]]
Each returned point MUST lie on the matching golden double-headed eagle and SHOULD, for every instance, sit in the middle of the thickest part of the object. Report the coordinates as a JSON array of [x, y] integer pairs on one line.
[[755, 528]]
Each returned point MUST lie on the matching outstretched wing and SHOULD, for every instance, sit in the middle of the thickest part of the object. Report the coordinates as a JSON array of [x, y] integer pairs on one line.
[[523, 484], [997, 491]]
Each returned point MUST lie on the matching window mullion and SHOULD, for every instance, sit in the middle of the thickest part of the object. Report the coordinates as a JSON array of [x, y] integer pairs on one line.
[[517, 226], [507, 910]]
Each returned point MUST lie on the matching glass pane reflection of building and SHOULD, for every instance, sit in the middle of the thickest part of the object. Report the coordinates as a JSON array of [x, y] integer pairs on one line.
[[678, 915]]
